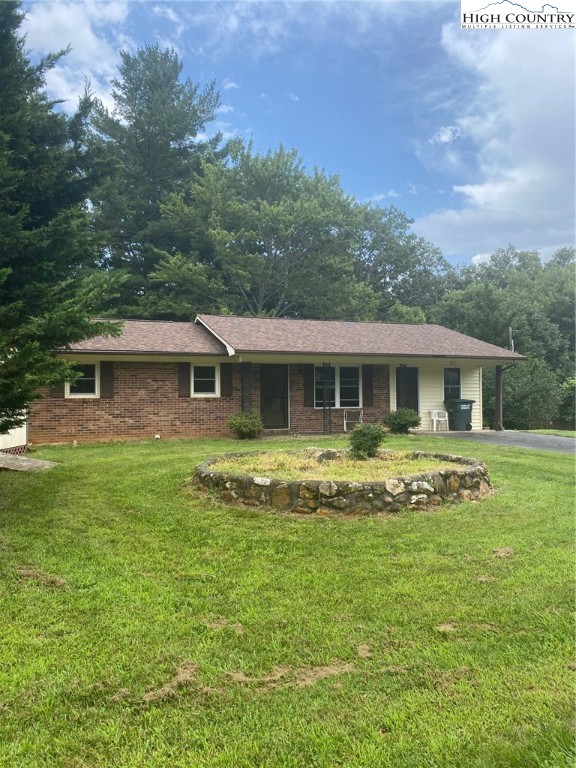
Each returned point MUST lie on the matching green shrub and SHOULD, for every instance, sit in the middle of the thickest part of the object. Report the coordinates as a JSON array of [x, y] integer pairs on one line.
[[246, 425], [401, 420], [365, 440]]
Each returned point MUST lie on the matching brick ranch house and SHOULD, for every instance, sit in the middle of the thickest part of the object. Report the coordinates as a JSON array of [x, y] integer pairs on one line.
[[184, 379]]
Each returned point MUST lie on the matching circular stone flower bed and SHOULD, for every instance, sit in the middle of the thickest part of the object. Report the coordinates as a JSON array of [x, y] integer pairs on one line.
[[449, 478]]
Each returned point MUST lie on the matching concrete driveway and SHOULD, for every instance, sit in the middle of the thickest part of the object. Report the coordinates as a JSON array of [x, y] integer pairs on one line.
[[513, 439]]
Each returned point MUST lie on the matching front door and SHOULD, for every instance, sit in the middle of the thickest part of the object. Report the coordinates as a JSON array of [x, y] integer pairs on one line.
[[407, 387], [274, 396]]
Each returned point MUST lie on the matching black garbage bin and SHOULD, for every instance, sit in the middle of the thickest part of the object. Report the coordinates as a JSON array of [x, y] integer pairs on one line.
[[459, 414]]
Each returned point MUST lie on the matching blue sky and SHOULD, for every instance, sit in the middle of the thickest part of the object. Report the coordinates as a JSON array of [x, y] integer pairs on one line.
[[470, 132]]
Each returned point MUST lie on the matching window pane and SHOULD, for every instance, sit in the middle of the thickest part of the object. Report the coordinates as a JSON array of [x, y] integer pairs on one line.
[[330, 374], [86, 385], [451, 383], [349, 398], [204, 379], [349, 375], [204, 387], [349, 387]]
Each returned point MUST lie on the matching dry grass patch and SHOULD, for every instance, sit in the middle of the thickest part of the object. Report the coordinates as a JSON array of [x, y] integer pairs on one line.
[[216, 624], [36, 576], [185, 674], [503, 551], [303, 465], [298, 678]]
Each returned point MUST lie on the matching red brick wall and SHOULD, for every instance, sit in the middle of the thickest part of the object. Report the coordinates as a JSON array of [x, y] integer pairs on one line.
[[146, 403], [311, 419]]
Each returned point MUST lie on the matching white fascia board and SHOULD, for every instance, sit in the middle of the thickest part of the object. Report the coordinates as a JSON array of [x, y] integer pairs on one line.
[[231, 351]]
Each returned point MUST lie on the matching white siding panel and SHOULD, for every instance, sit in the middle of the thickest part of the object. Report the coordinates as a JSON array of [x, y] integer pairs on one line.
[[472, 390], [431, 386], [14, 439], [431, 392]]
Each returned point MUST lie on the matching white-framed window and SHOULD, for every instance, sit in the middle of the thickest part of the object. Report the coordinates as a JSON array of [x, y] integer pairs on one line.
[[88, 385], [344, 386], [204, 380], [452, 384]]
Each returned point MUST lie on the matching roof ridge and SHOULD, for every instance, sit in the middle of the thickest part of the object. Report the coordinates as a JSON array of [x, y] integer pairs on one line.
[[317, 320], [138, 320]]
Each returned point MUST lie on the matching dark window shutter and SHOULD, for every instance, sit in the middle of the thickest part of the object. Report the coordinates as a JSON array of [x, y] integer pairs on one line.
[[367, 386], [107, 379], [183, 379], [226, 379], [308, 374], [57, 390]]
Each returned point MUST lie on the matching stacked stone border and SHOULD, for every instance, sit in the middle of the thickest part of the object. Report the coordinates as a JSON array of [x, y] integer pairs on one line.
[[467, 481]]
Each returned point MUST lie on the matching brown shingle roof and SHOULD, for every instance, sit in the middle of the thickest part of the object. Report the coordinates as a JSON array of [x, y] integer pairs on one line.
[[255, 334], [212, 334], [155, 337]]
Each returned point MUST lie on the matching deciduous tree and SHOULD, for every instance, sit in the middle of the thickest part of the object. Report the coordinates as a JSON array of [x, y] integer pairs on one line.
[[399, 266], [278, 239]]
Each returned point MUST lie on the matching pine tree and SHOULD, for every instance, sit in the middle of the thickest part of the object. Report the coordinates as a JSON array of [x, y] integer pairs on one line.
[[49, 290], [151, 141]]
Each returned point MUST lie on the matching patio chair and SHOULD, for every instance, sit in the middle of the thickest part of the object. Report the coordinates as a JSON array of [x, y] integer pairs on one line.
[[437, 418], [353, 416]]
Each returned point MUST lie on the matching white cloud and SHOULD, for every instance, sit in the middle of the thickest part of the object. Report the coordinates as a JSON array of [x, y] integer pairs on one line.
[[262, 28], [519, 126], [292, 96], [94, 32], [380, 196], [445, 135], [224, 109], [229, 84], [257, 28], [167, 12]]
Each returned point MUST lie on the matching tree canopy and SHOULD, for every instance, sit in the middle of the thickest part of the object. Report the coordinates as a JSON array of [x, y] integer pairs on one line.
[[274, 238], [48, 291]]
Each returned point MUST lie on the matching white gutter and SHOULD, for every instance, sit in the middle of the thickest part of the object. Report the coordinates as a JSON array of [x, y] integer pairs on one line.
[[230, 350]]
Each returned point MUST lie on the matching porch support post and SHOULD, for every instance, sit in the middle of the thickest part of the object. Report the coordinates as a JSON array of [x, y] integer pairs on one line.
[[499, 412], [246, 386], [326, 399]]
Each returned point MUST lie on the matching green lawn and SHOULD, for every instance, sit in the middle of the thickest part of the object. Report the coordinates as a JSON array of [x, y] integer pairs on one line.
[[559, 432], [144, 625]]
